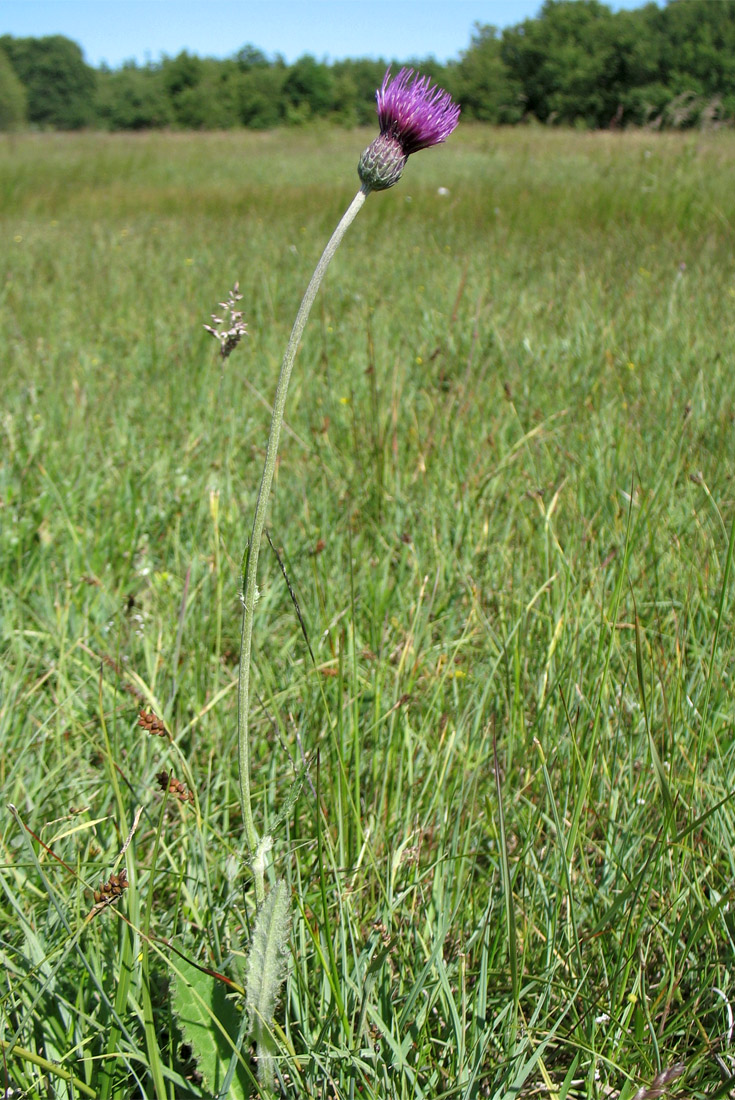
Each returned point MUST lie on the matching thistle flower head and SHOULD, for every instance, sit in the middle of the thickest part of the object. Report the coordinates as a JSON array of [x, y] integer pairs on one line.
[[413, 114]]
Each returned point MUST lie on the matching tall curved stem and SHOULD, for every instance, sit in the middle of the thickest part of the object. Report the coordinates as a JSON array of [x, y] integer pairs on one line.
[[251, 567]]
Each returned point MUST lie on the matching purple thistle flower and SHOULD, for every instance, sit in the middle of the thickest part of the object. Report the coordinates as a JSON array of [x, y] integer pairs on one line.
[[413, 115], [414, 112]]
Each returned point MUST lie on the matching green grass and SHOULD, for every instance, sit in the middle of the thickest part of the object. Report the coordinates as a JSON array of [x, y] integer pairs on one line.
[[505, 504]]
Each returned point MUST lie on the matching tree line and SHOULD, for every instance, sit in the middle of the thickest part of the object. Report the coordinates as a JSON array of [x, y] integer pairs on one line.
[[576, 63]]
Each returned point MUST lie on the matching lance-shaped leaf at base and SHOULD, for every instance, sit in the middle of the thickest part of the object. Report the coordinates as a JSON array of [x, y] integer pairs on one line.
[[265, 973], [209, 1023]]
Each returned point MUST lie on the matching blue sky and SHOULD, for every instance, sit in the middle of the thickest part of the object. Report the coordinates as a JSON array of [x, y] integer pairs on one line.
[[114, 31]]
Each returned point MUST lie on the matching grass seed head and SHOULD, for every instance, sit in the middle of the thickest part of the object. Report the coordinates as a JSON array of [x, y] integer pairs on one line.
[[152, 724], [229, 337], [109, 892], [168, 782]]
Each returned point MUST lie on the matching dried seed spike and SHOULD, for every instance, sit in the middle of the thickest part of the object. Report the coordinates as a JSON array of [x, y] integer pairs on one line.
[[152, 724], [108, 892], [660, 1083], [169, 782]]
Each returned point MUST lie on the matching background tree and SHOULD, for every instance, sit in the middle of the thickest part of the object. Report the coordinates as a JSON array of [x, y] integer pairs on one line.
[[13, 99], [642, 90], [482, 82], [250, 57], [59, 84], [132, 98], [181, 78], [260, 100], [566, 62], [576, 63], [698, 49], [308, 90], [211, 103], [355, 83]]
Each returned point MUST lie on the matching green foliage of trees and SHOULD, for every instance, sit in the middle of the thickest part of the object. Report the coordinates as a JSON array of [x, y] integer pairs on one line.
[[577, 63], [13, 99], [484, 84], [59, 84], [308, 89], [565, 61], [260, 97], [355, 83], [133, 98]]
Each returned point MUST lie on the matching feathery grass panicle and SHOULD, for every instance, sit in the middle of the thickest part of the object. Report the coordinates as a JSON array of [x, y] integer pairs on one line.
[[230, 328]]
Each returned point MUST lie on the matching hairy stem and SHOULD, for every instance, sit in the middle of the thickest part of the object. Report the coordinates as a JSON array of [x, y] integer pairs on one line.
[[251, 566]]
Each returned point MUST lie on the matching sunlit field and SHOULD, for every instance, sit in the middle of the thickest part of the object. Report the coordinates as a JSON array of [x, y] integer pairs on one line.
[[504, 506]]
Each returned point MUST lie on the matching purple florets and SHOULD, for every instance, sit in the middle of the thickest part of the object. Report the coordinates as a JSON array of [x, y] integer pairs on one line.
[[413, 115], [414, 112]]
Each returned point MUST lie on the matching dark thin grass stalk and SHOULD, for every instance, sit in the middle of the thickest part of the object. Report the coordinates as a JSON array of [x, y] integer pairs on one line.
[[355, 831], [74, 938], [342, 749], [330, 964], [177, 644], [715, 638], [566, 855], [582, 793], [126, 934], [149, 1022], [627, 954], [658, 767], [292, 595], [510, 919]]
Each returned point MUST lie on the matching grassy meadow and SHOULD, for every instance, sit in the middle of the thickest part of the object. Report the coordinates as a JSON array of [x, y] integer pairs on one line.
[[505, 507]]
